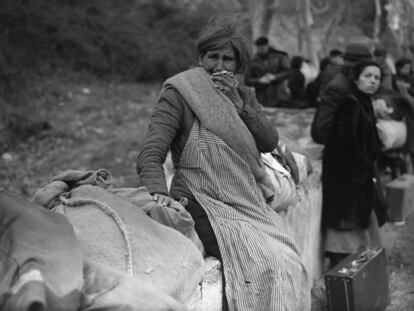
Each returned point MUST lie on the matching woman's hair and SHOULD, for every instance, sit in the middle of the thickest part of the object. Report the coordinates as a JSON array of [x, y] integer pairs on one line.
[[359, 67], [224, 31], [296, 62]]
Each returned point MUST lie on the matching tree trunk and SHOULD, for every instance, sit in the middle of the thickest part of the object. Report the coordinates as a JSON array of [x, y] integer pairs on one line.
[[300, 24], [377, 21], [308, 22], [266, 17], [261, 13]]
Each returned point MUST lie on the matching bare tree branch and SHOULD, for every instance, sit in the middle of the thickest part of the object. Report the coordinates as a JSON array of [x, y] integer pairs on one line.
[[319, 7]]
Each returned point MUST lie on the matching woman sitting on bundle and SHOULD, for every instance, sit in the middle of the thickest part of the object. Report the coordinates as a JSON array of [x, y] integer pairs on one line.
[[216, 130]]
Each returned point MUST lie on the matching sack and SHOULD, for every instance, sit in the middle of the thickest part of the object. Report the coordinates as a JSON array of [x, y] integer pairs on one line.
[[113, 231], [285, 188], [392, 133]]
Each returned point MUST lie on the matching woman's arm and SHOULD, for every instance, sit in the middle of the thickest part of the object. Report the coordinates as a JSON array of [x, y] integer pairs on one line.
[[264, 133], [165, 124]]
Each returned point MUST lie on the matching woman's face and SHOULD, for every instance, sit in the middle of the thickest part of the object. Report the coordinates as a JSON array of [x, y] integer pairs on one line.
[[219, 60], [369, 80]]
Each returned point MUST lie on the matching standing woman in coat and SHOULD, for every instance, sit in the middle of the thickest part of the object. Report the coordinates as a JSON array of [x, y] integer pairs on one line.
[[215, 129], [352, 209]]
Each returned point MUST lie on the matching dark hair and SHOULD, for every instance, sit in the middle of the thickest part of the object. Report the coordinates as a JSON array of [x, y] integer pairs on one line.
[[335, 52], [296, 62], [359, 67], [261, 41], [401, 62], [223, 31]]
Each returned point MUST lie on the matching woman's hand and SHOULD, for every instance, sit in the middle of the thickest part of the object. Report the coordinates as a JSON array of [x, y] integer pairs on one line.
[[227, 83], [163, 199]]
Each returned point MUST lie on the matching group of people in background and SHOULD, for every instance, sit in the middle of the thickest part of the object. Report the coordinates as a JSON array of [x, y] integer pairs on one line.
[[279, 80], [352, 91]]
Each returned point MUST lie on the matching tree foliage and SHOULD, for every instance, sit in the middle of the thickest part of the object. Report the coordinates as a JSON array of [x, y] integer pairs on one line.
[[134, 39]]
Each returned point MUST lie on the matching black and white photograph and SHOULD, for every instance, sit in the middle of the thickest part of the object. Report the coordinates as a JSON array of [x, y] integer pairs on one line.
[[194, 155]]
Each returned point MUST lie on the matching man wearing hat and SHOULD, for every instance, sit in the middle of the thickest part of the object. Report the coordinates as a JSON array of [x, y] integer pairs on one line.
[[335, 90], [268, 73]]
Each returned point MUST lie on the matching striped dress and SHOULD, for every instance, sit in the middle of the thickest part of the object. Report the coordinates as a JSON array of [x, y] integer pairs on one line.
[[262, 266]]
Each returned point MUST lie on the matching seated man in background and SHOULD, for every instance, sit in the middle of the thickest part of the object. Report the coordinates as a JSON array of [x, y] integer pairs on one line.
[[268, 73]]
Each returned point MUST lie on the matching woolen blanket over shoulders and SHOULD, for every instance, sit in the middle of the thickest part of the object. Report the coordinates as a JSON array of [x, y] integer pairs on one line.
[[170, 126]]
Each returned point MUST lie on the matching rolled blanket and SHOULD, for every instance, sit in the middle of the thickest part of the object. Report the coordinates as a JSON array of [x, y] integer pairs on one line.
[[75, 178], [48, 196]]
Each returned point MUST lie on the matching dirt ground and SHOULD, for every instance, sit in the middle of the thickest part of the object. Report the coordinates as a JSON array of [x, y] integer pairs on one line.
[[101, 125]]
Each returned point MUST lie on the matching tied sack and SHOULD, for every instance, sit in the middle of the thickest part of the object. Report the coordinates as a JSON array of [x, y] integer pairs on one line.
[[114, 232], [392, 133]]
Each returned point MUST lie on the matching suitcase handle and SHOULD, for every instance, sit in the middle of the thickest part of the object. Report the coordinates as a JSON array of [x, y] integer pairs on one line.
[[363, 257], [359, 260]]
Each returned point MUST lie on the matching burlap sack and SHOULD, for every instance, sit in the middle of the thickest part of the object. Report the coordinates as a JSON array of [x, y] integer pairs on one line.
[[114, 232]]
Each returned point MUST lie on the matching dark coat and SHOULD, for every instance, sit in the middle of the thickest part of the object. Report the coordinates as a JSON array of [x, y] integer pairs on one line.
[[331, 97], [349, 190], [277, 63], [170, 125], [296, 85]]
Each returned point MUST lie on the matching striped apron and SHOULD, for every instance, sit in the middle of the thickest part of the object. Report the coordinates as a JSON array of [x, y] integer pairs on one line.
[[262, 266]]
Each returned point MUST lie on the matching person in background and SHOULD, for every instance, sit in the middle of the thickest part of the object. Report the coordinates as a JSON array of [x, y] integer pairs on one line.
[[403, 80], [313, 87], [381, 54], [336, 57], [296, 83], [334, 92], [216, 130], [328, 67], [336, 62], [352, 209], [268, 73]]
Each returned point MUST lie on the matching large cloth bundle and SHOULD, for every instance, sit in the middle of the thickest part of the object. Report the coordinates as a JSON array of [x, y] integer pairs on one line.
[[113, 231], [392, 133], [285, 188]]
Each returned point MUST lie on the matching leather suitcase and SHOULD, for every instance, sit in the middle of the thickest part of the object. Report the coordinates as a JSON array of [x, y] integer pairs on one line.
[[359, 282], [400, 198]]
